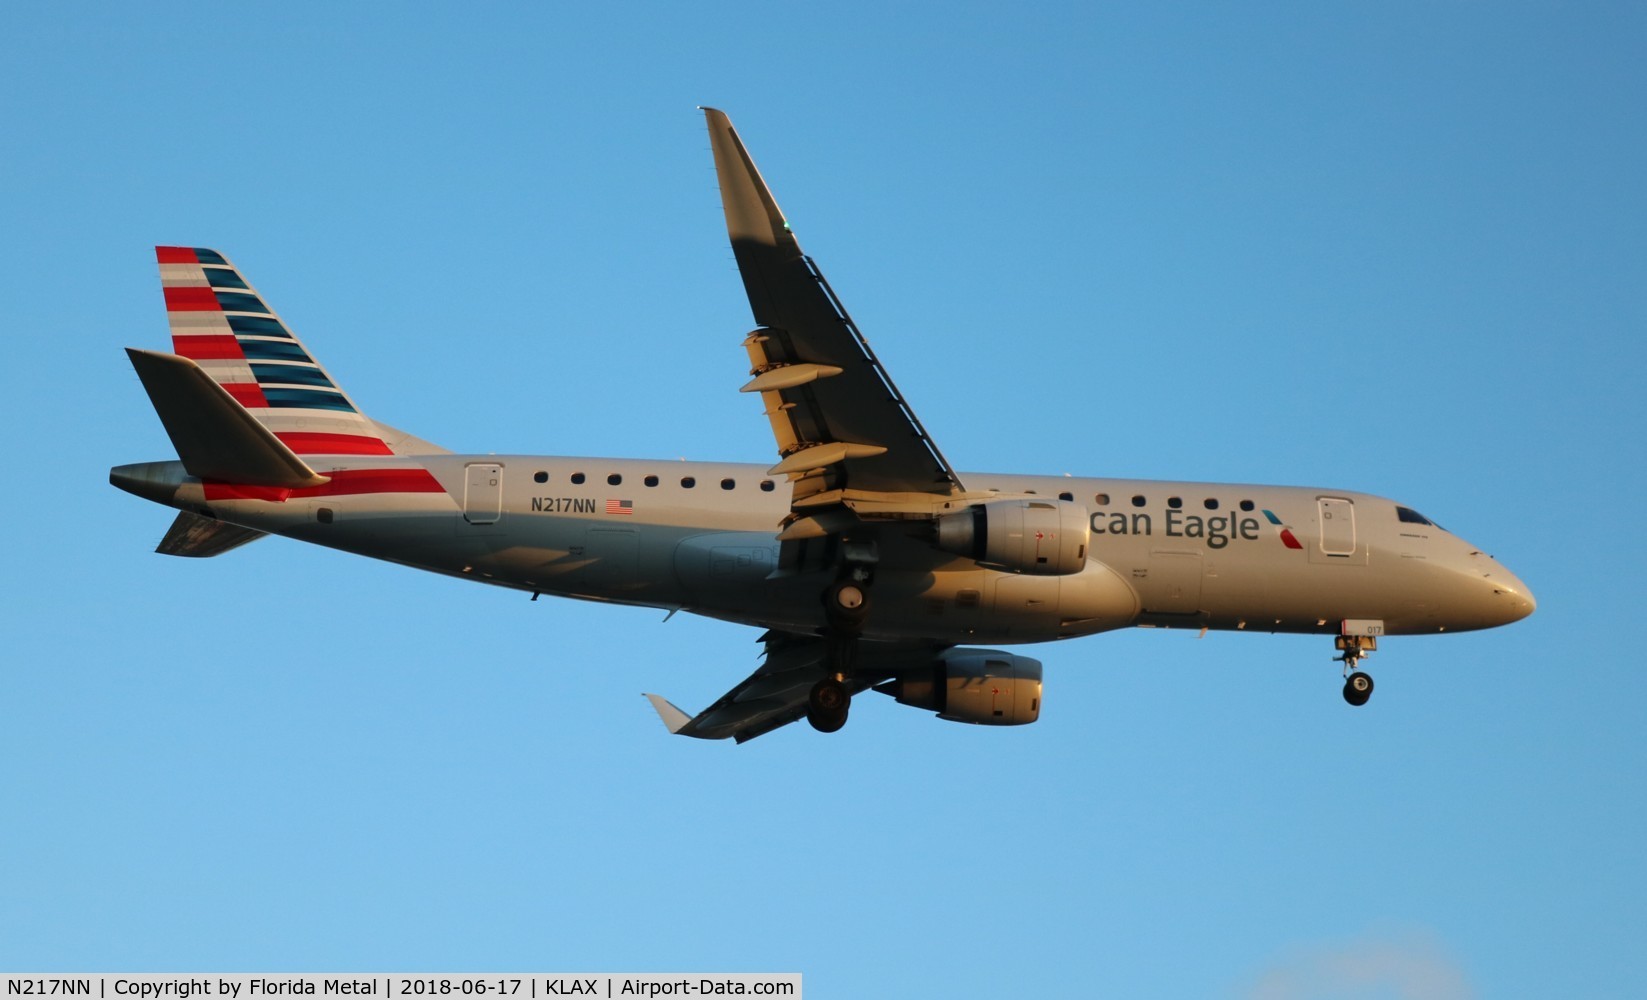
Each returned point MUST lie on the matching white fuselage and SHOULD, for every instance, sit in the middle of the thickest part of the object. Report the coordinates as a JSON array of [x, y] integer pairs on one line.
[[701, 537]]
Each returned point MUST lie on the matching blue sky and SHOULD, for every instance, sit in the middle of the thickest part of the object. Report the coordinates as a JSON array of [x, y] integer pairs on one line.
[[1394, 247]]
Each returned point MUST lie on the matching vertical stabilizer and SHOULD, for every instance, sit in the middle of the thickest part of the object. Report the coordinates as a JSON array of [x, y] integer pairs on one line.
[[219, 321]]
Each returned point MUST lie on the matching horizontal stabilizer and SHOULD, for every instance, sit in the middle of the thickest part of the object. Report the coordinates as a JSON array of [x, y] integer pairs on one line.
[[214, 435], [197, 537]]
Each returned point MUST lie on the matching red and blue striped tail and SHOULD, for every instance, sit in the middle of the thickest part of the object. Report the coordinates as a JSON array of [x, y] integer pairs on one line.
[[220, 322]]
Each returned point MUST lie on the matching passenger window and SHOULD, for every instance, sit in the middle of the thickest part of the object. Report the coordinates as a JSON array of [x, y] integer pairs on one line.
[[1246, 505], [1176, 503], [687, 482], [540, 477], [577, 478], [614, 480], [1101, 499], [1210, 503], [1137, 501], [727, 484], [1066, 496], [766, 486], [650, 480]]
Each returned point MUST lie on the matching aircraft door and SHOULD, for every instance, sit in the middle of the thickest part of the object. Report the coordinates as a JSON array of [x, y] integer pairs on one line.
[[1337, 526], [483, 493], [1173, 586]]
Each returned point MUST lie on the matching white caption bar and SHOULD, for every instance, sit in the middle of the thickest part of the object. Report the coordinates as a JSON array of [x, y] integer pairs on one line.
[[385, 985]]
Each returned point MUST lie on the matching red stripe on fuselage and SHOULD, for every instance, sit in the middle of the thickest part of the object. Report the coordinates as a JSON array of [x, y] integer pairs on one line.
[[176, 255], [1289, 541], [345, 482], [349, 481], [316, 443], [208, 347], [190, 299], [216, 489]]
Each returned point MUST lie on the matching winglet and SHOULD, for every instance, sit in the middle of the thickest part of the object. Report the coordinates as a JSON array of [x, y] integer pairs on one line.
[[751, 211], [673, 718], [761, 237]]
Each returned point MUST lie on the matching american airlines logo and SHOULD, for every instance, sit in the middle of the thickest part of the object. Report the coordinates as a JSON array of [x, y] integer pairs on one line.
[[1216, 530]]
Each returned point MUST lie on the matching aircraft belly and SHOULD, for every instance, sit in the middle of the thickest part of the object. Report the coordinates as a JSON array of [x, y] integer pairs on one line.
[[413, 538], [730, 575], [574, 557]]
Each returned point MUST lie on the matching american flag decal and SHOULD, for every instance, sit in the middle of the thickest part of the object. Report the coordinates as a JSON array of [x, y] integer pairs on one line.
[[620, 506]]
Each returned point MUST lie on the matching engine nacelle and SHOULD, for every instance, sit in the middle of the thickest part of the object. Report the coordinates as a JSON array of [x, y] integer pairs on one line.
[[982, 686], [1024, 535]]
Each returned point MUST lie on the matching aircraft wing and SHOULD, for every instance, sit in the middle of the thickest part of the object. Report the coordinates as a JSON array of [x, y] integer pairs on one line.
[[839, 421], [776, 694]]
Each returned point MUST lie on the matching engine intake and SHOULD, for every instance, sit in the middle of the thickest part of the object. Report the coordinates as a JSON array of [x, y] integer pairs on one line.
[[1041, 537], [983, 686]]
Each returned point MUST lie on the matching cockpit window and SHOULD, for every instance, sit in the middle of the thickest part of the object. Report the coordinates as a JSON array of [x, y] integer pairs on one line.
[[1410, 516]]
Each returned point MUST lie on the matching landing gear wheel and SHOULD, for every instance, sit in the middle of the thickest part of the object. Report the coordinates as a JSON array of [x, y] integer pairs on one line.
[[827, 705], [826, 723], [846, 604], [1358, 687], [829, 695]]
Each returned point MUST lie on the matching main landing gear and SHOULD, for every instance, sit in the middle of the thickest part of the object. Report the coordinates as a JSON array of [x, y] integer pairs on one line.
[[846, 606], [827, 705], [1358, 685]]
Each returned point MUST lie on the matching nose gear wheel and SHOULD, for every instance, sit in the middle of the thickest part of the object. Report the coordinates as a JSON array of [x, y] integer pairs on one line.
[[1358, 685]]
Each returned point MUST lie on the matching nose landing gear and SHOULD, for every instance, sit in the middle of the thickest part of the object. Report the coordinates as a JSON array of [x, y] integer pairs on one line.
[[1358, 685]]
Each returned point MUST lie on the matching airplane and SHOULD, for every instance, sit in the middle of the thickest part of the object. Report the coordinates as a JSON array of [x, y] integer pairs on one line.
[[869, 561]]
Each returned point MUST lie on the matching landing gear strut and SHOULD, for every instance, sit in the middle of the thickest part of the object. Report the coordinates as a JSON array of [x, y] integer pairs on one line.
[[1358, 685], [846, 607]]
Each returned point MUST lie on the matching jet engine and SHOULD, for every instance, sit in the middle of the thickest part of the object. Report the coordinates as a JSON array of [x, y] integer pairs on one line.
[[982, 686], [1040, 537]]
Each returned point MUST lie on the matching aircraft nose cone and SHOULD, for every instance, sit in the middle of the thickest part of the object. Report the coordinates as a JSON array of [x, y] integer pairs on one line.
[[1508, 599]]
